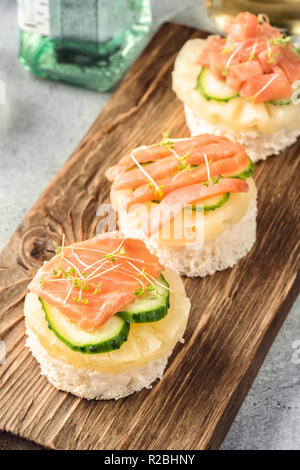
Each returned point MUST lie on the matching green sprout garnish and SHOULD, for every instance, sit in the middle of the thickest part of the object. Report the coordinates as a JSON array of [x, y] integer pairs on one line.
[[216, 179], [165, 140], [158, 191], [184, 164], [272, 56], [113, 256], [140, 291], [96, 290], [69, 273], [58, 272], [110, 256], [150, 288], [122, 251], [227, 49], [282, 41], [79, 299], [81, 284], [58, 249], [143, 272], [76, 283]]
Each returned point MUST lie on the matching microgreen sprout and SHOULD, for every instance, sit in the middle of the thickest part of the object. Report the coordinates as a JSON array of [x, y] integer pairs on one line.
[[69, 273], [159, 191], [282, 41], [228, 48], [114, 255], [59, 271], [166, 142], [57, 248], [122, 251], [143, 272], [111, 256], [184, 164], [151, 288], [80, 299], [216, 179], [213, 180], [140, 291], [272, 56]]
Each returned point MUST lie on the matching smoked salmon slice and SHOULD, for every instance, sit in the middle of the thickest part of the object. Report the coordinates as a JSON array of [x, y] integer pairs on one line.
[[92, 280], [174, 202], [224, 167], [157, 151], [173, 164]]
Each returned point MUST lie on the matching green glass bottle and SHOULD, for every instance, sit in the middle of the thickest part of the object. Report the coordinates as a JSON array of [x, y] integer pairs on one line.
[[88, 43]]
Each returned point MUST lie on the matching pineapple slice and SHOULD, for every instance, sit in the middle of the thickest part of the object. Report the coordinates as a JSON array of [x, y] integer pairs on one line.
[[146, 341]]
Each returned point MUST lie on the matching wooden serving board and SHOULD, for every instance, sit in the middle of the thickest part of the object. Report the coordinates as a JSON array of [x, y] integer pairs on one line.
[[235, 315]]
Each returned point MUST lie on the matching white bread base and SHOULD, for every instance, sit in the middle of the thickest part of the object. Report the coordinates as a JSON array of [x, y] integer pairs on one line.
[[258, 145], [91, 384], [219, 253]]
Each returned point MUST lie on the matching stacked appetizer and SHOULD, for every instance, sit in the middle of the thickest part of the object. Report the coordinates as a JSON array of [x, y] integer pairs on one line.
[[103, 316], [243, 86], [161, 191]]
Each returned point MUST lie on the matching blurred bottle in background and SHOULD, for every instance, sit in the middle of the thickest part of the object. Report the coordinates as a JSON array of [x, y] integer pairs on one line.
[[88, 43], [282, 13]]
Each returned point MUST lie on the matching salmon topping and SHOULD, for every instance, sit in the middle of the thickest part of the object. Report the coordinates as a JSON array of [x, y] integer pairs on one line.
[[254, 59], [205, 162], [91, 281]]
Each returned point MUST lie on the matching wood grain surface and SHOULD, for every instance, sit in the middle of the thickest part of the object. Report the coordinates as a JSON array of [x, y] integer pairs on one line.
[[235, 313]]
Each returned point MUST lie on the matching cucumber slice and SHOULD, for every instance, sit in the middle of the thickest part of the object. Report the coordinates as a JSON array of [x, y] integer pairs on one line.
[[212, 89], [246, 173], [280, 102], [211, 203], [149, 307], [108, 337]]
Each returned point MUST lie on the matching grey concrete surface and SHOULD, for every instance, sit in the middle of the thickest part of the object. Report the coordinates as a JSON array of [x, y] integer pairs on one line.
[[40, 125]]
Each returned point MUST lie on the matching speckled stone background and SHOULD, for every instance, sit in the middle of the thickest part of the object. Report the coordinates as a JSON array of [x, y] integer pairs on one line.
[[40, 125]]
